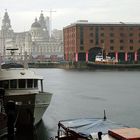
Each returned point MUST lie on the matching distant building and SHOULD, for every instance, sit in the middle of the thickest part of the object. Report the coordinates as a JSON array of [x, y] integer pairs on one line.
[[36, 42], [84, 40]]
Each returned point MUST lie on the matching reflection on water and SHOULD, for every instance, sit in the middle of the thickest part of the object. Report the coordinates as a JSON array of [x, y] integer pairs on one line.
[[78, 94], [41, 132]]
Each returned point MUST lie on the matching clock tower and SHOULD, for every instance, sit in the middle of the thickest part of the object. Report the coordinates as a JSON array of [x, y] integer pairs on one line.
[[6, 23]]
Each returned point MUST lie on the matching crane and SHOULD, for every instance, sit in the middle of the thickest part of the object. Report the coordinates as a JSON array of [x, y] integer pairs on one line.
[[50, 11]]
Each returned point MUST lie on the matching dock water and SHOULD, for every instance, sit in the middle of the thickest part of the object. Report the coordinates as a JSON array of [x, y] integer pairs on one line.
[[20, 126], [27, 132]]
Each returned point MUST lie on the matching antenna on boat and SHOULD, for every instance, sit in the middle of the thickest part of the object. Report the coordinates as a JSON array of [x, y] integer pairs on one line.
[[105, 115]]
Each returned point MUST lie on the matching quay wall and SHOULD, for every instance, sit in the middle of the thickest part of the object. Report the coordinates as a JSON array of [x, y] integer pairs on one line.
[[82, 65], [67, 65]]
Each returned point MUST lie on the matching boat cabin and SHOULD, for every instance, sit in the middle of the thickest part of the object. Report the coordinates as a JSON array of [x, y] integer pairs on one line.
[[16, 77], [99, 59]]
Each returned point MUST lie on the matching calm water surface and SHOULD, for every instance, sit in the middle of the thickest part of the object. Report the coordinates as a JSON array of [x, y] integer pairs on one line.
[[86, 94]]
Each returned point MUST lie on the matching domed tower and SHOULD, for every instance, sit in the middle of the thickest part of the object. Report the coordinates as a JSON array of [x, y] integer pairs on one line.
[[36, 31], [43, 23]]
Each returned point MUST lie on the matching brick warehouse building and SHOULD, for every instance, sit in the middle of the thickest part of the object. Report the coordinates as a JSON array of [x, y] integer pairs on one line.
[[84, 40]]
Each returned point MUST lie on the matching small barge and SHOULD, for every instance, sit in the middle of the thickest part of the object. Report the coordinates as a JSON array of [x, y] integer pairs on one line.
[[95, 129]]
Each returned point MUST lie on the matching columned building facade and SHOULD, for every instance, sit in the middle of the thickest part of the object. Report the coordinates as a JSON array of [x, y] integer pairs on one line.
[[36, 42], [83, 41]]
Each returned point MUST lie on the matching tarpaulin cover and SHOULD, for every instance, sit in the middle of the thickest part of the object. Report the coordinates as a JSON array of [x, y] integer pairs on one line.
[[86, 127]]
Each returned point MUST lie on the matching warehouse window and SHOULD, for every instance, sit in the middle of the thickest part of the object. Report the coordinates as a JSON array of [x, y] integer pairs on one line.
[[102, 41], [131, 47], [91, 28], [102, 34], [131, 28], [111, 35], [91, 41], [91, 34], [111, 48], [111, 41], [121, 34], [112, 28], [121, 47], [131, 41], [131, 34], [102, 28]]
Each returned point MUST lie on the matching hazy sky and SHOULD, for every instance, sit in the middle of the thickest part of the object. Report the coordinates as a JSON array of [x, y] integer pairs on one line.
[[23, 12]]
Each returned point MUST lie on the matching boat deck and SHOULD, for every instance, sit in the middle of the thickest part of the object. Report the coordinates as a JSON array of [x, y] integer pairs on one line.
[[95, 128]]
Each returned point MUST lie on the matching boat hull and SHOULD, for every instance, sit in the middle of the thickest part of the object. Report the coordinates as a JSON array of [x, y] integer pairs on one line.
[[29, 107], [3, 124]]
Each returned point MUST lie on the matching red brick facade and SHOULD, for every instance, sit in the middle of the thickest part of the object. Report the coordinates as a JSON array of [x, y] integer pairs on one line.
[[82, 41]]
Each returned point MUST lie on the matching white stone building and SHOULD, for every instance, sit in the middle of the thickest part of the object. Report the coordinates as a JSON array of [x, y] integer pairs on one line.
[[36, 42]]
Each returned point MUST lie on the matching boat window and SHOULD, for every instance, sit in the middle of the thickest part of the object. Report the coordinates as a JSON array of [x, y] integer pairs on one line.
[[5, 84], [29, 83], [13, 83], [35, 83], [21, 83]]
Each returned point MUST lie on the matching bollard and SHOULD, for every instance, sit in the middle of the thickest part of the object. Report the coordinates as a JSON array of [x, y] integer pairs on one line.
[[100, 135]]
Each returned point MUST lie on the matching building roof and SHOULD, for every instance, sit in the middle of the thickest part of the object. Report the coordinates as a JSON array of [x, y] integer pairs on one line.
[[85, 22]]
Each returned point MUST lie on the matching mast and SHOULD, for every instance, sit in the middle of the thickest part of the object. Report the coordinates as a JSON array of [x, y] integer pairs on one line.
[[103, 46]]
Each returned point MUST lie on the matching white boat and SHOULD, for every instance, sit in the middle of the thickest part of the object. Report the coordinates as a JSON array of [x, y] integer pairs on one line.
[[99, 59], [25, 88]]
